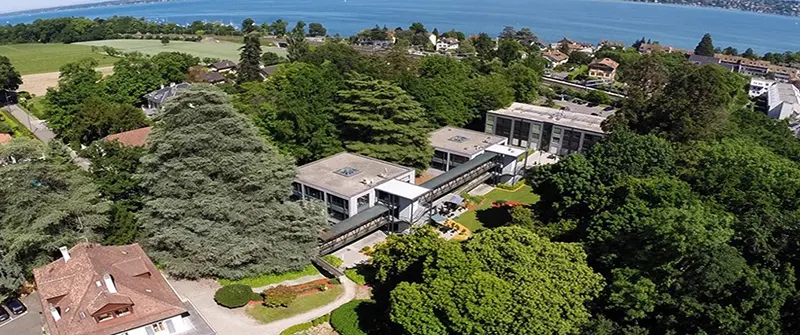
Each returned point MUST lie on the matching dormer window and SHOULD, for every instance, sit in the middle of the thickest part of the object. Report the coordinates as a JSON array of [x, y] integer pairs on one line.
[[122, 312], [104, 317], [113, 314]]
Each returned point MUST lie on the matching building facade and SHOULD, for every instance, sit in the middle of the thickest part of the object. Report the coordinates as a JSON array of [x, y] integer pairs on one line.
[[546, 129], [605, 69], [455, 146], [759, 86]]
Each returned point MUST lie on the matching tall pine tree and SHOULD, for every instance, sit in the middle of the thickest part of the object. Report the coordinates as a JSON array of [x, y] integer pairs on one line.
[[296, 44], [705, 47], [250, 60], [218, 202], [383, 121]]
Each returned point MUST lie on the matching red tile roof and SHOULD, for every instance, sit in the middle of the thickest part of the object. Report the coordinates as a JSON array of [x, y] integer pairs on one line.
[[77, 289], [608, 62], [5, 138], [555, 55], [133, 138]]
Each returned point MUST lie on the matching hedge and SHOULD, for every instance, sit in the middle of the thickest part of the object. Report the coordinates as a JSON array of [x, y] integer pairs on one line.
[[345, 318], [320, 320], [356, 277], [297, 328], [234, 296], [333, 260]]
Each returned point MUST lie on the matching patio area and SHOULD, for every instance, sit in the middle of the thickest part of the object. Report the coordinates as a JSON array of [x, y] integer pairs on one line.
[[483, 215]]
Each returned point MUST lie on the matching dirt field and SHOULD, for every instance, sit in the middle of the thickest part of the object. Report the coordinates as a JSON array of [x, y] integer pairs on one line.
[[37, 84]]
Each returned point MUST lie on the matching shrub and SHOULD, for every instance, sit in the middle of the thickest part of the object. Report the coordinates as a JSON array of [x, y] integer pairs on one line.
[[234, 296], [297, 328], [366, 249], [345, 318], [473, 199], [322, 287], [335, 281], [510, 187], [320, 320], [356, 277], [279, 296], [333, 260]]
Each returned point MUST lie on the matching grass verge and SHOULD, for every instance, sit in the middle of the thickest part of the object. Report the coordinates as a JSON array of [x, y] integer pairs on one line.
[[272, 278], [300, 305]]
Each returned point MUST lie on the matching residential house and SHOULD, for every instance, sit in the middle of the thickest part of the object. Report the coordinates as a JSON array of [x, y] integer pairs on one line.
[[647, 48], [107, 290], [447, 44], [5, 138], [267, 71], [154, 100], [224, 66], [542, 128], [783, 101], [710, 60], [573, 46], [784, 73], [131, 138], [611, 44], [605, 69], [746, 66], [759, 86], [214, 78], [555, 57]]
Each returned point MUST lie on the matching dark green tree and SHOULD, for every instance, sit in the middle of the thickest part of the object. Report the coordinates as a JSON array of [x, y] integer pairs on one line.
[[441, 89], [45, 202], [97, 118], [490, 92], [294, 110], [173, 67], [316, 29], [249, 26], [297, 46], [270, 58], [525, 82], [705, 47], [278, 28], [508, 51], [249, 60], [218, 196], [134, 76], [484, 46], [78, 81], [381, 120], [9, 77], [749, 54]]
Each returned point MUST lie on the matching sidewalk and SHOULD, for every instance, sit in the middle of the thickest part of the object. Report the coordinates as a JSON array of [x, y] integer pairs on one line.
[[236, 321], [36, 126]]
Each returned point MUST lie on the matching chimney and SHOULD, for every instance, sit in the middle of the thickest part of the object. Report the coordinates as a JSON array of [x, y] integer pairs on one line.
[[109, 283], [55, 313], [64, 253]]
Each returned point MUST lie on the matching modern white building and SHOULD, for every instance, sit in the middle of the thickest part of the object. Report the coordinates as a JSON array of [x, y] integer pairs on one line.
[[350, 183], [447, 44], [783, 101], [759, 86], [547, 129], [455, 146]]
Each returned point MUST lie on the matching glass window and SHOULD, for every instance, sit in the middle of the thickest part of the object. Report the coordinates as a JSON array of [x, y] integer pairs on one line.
[[336, 214], [521, 132], [363, 202], [589, 140], [503, 127], [338, 203], [571, 142], [297, 187], [456, 160], [159, 327], [315, 193], [104, 317], [122, 312]]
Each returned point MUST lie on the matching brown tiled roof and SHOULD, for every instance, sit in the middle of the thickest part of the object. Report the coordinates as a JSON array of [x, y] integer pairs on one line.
[[555, 55], [608, 62], [742, 60], [133, 138], [5, 138], [652, 47], [76, 288]]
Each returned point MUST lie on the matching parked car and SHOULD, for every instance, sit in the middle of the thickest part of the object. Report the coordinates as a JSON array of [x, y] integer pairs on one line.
[[15, 306], [608, 109], [565, 108], [592, 104], [3, 314]]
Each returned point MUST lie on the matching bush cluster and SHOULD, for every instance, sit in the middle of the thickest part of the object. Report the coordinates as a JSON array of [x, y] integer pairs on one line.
[[320, 320], [333, 260], [234, 296], [297, 328], [510, 187], [279, 296], [345, 318]]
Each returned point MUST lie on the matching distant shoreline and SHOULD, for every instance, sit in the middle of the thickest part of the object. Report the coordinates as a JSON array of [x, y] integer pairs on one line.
[[81, 6]]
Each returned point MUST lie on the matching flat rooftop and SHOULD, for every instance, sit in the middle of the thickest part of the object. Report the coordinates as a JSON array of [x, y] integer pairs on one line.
[[462, 141], [348, 174], [551, 115]]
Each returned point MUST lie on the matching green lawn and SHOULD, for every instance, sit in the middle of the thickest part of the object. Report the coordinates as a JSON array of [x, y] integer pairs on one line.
[[19, 129], [484, 216], [272, 278], [43, 58], [221, 50], [301, 305]]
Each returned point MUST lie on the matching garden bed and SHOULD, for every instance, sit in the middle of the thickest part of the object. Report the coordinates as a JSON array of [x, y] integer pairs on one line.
[[302, 304], [484, 215]]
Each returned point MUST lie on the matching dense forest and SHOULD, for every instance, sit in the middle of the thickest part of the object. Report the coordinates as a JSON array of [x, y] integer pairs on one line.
[[682, 220]]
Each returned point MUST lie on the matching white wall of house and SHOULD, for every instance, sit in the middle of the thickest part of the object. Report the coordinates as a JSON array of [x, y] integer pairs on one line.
[[179, 325]]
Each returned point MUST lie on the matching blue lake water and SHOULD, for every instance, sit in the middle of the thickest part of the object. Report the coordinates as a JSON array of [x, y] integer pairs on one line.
[[583, 20]]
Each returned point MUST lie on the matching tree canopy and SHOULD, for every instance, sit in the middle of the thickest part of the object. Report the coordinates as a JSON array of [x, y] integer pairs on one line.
[[705, 47], [250, 60], [217, 195], [9, 77]]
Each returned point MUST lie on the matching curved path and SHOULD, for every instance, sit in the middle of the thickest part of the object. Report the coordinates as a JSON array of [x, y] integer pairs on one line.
[[236, 322]]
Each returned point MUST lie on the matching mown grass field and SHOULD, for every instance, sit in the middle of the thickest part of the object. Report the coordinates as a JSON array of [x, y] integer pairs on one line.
[[485, 216], [221, 49], [44, 58]]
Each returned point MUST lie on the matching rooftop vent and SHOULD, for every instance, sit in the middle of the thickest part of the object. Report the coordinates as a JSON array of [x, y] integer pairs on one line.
[[458, 139], [348, 172]]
